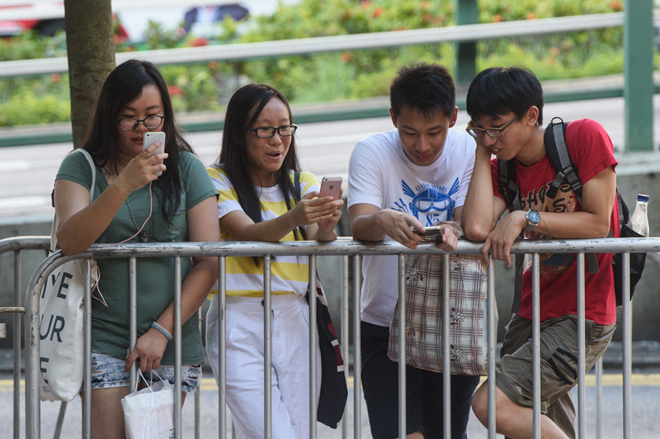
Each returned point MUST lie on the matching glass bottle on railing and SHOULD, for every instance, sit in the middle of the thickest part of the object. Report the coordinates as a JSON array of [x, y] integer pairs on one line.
[[639, 221]]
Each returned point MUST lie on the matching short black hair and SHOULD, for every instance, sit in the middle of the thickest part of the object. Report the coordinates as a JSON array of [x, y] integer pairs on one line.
[[500, 90], [424, 87]]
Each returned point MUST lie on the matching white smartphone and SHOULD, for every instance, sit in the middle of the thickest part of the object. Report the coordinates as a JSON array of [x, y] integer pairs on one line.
[[154, 137], [330, 187]]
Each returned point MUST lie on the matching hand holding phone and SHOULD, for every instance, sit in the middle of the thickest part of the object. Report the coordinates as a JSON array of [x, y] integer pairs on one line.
[[331, 187], [430, 234], [154, 137]]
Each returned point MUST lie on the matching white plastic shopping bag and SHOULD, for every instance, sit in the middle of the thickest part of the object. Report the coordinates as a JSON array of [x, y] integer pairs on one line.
[[149, 413]]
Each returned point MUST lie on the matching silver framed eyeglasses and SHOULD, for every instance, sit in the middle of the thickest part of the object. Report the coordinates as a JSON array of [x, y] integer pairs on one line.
[[495, 133], [266, 132], [131, 123]]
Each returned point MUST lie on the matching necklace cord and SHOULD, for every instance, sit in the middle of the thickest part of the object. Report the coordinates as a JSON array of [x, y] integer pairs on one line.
[[151, 204]]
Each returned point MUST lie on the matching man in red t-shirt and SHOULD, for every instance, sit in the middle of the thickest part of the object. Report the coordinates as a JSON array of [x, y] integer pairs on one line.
[[506, 110]]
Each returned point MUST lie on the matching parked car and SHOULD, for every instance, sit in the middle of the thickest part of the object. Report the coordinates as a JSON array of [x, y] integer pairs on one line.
[[44, 17]]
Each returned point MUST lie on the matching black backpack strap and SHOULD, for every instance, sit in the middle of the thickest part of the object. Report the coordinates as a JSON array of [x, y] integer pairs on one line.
[[507, 182], [296, 184], [555, 146]]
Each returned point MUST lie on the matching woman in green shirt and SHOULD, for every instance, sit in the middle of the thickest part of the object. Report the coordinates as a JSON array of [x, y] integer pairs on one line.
[[133, 204]]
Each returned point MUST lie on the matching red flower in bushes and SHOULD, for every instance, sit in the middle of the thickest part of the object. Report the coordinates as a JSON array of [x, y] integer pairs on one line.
[[497, 18], [213, 65], [378, 12], [175, 90], [54, 77], [531, 16], [616, 5], [199, 42], [345, 56]]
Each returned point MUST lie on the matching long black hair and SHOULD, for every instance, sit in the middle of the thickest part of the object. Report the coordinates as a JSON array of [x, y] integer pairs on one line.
[[243, 110], [123, 86]]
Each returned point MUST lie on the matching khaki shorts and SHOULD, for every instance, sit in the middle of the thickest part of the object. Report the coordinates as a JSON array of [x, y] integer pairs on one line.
[[559, 350]]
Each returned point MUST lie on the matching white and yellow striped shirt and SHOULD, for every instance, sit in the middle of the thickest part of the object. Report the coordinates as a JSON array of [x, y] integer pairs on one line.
[[289, 274]]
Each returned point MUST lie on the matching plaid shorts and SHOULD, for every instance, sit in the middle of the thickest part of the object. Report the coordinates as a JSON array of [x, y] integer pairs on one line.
[[108, 372]]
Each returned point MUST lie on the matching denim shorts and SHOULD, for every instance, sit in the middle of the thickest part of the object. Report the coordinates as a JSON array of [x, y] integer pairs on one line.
[[108, 372]]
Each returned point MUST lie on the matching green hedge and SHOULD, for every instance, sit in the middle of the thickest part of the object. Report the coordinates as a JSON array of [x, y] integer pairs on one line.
[[329, 76]]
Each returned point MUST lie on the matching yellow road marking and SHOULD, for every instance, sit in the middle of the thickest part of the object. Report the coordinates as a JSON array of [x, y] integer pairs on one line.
[[609, 380]]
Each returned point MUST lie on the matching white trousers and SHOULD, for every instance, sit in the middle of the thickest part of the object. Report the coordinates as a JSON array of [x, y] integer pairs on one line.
[[245, 364]]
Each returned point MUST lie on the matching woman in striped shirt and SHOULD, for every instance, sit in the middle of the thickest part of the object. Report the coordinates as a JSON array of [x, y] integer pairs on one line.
[[265, 197]]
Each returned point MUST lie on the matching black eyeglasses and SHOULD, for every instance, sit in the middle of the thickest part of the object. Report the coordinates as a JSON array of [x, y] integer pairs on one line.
[[495, 133], [283, 131], [131, 123]]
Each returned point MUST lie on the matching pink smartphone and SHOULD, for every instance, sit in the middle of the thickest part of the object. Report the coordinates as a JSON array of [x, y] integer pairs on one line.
[[330, 187], [154, 137]]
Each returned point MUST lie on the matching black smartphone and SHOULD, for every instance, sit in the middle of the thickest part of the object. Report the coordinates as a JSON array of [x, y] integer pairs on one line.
[[430, 234]]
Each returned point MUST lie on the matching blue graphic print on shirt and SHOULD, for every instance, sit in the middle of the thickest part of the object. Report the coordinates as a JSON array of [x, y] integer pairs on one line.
[[429, 203]]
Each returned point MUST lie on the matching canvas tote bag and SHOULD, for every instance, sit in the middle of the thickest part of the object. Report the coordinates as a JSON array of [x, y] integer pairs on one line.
[[61, 325], [469, 315]]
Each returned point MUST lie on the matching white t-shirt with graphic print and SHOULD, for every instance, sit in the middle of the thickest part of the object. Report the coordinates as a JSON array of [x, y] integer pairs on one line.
[[380, 174]]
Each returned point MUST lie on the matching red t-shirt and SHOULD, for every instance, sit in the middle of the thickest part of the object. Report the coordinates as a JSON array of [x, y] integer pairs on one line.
[[591, 151]]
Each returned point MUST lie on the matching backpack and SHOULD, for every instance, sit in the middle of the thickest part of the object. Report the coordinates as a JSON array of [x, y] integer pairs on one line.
[[555, 146]]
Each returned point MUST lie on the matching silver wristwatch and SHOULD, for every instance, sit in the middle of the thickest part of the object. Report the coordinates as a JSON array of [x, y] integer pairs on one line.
[[533, 219]]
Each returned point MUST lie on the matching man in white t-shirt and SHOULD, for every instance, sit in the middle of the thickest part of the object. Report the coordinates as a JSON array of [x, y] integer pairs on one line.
[[410, 177]]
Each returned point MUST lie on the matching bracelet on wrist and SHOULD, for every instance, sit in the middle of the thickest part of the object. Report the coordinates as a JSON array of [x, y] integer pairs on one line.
[[158, 327]]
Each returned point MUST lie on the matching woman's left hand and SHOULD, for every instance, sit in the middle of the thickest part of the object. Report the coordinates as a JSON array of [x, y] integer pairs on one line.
[[149, 348], [328, 224]]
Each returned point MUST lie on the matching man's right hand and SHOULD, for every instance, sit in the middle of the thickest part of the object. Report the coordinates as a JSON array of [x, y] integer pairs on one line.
[[399, 226]]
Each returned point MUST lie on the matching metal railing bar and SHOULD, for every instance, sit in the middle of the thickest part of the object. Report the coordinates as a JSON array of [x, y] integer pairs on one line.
[[313, 344], [344, 334], [350, 248], [20, 243], [492, 348], [536, 345], [599, 398], [60, 420], [222, 353], [178, 348], [357, 357], [17, 342], [402, 345], [268, 352], [627, 348], [198, 392], [446, 365], [132, 276], [87, 335], [303, 46], [32, 406], [581, 340]]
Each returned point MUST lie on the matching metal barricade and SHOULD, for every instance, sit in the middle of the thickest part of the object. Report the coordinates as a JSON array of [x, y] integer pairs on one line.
[[345, 249], [18, 245]]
